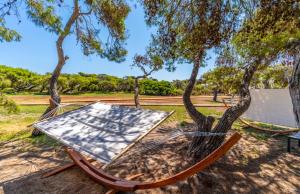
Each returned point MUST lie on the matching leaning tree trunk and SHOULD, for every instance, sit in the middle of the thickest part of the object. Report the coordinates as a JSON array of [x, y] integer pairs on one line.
[[294, 87], [231, 114], [136, 93], [204, 124], [55, 98]]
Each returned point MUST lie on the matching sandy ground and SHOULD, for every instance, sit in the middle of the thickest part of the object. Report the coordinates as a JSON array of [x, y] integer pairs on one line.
[[153, 100], [252, 166]]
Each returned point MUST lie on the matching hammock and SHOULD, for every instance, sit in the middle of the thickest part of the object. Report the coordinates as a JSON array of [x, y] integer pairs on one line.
[[232, 102], [105, 132]]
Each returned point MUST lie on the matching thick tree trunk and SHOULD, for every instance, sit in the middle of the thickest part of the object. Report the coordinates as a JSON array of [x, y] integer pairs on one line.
[[215, 92], [55, 98], [136, 93], [204, 124], [294, 87], [231, 114]]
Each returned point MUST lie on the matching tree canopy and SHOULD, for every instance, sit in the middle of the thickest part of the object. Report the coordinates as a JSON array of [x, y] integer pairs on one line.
[[186, 28]]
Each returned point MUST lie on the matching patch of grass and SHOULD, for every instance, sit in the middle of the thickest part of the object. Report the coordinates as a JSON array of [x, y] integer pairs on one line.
[[8, 136], [259, 135], [269, 126], [43, 140], [39, 109], [14, 126], [180, 114]]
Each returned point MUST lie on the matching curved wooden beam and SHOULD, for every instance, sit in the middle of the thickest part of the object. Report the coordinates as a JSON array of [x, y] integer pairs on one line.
[[124, 185], [249, 124], [288, 130]]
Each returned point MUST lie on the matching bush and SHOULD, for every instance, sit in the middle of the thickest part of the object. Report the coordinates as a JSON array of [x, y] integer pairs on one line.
[[178, 92], [9, 91], [152, 87], [107, 86], [9, 104], [93, 88]]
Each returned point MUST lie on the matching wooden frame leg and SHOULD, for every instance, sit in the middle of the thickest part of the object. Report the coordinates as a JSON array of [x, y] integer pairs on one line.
[[58, 170], [61, 169]]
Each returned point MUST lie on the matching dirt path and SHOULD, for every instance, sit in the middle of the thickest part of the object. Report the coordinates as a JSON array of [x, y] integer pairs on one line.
[[153, 100], [252, 166]]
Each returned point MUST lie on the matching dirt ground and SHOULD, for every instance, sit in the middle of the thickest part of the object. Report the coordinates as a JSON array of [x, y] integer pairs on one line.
[[153, 100], [252, 166]]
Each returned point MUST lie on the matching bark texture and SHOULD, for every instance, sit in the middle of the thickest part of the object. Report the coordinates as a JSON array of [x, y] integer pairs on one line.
[[294, 87], [231, 114], [61, 61], [202, 146], [204, 124]]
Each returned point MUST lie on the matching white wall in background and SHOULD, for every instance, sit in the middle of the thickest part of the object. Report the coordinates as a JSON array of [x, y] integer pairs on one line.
[[272, 106]]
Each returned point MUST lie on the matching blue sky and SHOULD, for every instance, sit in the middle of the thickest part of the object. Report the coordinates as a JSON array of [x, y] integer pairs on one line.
[[36, 51]]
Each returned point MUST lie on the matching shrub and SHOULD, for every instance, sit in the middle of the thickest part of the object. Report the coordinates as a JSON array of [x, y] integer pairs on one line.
[[9, 104], [152, 87], [8, 91]]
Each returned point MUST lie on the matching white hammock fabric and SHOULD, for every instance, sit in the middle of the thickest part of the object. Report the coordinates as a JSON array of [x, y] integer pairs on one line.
[[101, 131]]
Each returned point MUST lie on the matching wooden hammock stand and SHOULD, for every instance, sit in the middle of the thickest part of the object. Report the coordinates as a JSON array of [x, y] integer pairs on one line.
[[275, 132], [116, 184]]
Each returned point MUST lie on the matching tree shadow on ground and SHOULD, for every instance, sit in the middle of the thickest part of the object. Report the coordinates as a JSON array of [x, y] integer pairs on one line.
[[22, 166], [72, 181], [252, 166]]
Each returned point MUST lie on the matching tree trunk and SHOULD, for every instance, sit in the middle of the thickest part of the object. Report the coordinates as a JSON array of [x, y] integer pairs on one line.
[[42, 88], [204, 124], [136, 93], [61, 61], [231, 114], [266, 84], [215, 92], [294, 87]]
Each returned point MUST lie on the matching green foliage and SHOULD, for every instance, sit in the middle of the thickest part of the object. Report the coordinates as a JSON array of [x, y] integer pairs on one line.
[[225, 79], [152, 87], [110, 14], [270, 30], [275, 76], [147, 63], [7, 34], [43, 14], [187, 28], [86, 21], [9, 105], [17, 80]]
